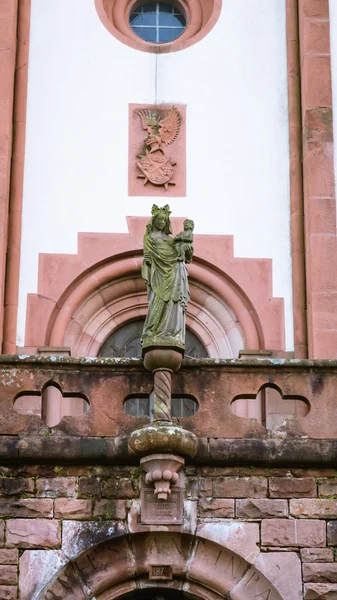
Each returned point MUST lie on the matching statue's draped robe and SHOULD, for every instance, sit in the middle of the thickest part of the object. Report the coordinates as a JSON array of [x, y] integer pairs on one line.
[[168, 293]]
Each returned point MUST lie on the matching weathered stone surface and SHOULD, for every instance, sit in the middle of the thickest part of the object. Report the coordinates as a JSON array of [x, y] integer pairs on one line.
[[317, 591], [289, 487], [165, 437], [243, 471], [311, 533], [217, 568], [237, 536], [78, 536], [16, 486], [8, 592], [192, 488], [290, 451], [56, 487], [89, 487], [320, 572], [331, 530], [239, 487], [261, 508], [33, 533], [26, 507], [205, 486], [278, 532], [2, 533], [37, 567], [280, 548], [8, 575], [73, 449], [119, 488], [213, 379], [216, 507], [110, 509], [313, 472], [8, 557], [218, 471], [317, 554], [68, 584], [190, 517], [106, 565], [71, 508], [318, 508], [283, 569], [327, 488], [281, 532]]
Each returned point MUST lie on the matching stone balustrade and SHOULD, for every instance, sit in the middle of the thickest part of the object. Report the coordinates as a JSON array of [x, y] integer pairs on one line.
[[102, 432]]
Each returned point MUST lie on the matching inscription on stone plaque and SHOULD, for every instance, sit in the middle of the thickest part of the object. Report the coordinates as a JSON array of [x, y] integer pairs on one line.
[[161, 512], [160, 572]]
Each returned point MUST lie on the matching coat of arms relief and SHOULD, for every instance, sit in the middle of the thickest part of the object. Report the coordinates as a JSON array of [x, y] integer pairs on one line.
[[157, 150], [162, 127]]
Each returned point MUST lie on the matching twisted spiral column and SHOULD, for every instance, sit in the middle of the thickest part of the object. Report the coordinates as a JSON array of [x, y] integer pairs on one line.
[[162, 395]]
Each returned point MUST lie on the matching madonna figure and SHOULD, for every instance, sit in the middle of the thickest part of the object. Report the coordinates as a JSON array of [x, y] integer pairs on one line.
[[166, 276]]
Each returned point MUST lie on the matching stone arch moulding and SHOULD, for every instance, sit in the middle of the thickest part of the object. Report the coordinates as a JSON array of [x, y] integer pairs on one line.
[[82, 298], [201, 16], [198, 566]]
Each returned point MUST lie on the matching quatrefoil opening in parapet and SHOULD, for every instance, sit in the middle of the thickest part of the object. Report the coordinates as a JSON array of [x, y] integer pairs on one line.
[[51, 404], [270, 406]]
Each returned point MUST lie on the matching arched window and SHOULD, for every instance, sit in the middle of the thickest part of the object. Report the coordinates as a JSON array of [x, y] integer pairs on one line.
[[125, 342]]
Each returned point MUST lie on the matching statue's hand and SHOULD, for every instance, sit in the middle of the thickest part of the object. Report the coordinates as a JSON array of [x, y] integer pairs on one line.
[[147, 259]]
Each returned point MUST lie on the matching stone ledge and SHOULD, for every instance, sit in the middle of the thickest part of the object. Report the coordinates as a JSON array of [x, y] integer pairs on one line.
[[291, 452], [97, 363]]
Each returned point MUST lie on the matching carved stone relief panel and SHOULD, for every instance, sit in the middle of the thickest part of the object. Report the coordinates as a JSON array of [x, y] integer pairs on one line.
[[157, 150]]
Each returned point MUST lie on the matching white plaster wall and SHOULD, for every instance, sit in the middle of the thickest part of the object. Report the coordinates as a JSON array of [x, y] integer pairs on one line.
[[333, 49], [234, 83]]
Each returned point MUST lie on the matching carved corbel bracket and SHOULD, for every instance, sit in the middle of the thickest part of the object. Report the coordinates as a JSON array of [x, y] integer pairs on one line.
[[162, 470]]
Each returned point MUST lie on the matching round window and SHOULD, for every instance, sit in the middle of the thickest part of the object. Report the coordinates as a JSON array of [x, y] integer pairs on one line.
[[157, 22]]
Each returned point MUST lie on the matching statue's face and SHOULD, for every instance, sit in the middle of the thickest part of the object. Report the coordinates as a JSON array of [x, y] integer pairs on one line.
[[159, 222]]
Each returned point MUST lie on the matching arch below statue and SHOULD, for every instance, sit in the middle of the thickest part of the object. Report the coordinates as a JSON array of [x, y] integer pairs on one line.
[[197, 566], [231, 298]]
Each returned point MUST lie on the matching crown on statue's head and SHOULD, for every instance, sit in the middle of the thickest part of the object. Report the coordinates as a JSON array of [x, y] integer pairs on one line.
[[156, 210]]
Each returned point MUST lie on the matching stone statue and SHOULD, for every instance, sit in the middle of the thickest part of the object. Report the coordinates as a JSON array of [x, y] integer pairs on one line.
[[166, 276], [184, 242]]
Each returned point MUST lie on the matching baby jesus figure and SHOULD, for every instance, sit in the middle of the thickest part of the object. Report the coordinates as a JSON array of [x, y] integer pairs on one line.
[[184, 242]]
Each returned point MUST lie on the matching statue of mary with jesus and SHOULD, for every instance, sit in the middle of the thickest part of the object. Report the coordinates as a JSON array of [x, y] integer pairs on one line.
[[166, 276]]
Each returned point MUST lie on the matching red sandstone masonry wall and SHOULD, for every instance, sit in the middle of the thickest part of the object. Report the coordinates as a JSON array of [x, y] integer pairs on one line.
[[53, 507], [8, 23], [318, 177]]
